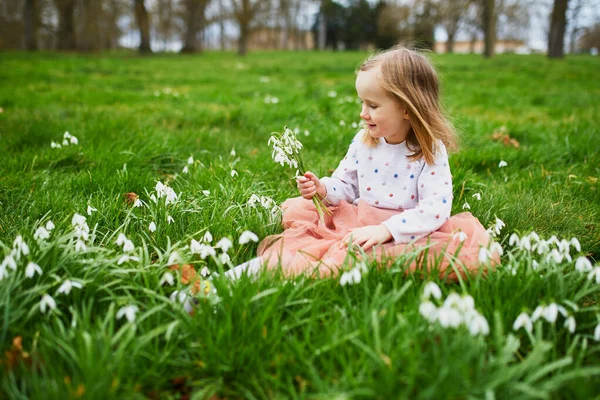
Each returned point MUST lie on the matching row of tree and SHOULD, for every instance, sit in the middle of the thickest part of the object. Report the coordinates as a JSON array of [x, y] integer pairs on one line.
[[95, 25]]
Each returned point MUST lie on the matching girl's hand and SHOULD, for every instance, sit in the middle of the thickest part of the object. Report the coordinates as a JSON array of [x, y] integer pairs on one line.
[[367, 236], [309, 185]]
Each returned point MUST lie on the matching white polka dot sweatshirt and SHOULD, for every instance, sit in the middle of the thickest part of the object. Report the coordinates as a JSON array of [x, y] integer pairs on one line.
[[384, 177]]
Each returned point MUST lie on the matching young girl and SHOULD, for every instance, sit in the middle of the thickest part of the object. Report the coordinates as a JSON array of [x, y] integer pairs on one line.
[[392, 192]]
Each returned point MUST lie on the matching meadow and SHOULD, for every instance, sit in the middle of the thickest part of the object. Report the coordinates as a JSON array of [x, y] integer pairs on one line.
[[166, 162]]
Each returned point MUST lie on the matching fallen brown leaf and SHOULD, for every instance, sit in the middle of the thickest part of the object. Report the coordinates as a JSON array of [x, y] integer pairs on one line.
[[131, 197]]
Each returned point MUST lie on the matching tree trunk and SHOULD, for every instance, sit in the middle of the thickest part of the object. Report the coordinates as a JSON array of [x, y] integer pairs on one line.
[[143, 21], [450, 43], [243, 40], [489, 27], [190, 44], [221, 25], [66, 25], [558, 23], [29, 19]]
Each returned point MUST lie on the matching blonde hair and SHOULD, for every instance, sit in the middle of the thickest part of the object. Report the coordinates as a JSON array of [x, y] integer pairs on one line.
[[410, 79]]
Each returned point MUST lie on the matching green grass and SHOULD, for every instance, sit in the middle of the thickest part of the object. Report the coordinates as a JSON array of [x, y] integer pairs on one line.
[[138, 120]]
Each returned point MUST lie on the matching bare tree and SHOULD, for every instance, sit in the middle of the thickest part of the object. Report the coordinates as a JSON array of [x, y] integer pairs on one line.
[[452, 13], [143, 23], [195, 21], [489, 27], [29, 24], [558, 24], [66, 24], [244, 12]]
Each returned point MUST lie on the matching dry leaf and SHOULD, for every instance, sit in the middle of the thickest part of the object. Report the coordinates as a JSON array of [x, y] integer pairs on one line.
[[131, 197]]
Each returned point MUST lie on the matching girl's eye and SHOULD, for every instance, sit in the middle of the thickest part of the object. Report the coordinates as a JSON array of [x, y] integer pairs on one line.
[[373, 107]]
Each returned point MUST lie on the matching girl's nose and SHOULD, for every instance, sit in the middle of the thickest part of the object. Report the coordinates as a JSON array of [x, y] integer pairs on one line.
[[363, 113]]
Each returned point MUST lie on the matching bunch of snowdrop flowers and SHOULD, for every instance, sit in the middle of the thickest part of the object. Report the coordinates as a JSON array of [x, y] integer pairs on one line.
[[455, 311], [165, 191], [128, 248], [266, 202], [354, 276], [19, 249], [286, 151], [81, 230], [68, 139], [549, 313]]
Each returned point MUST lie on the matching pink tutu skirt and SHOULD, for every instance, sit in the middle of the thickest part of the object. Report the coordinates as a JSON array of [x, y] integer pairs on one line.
[[309, 246]]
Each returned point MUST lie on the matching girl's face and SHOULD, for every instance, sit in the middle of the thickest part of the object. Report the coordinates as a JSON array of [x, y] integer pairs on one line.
[[385, 117]]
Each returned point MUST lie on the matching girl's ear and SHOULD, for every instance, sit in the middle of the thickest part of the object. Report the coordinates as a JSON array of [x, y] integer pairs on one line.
[[406, 114]]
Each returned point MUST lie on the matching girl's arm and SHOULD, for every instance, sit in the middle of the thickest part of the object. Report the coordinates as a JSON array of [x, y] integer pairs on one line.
[[435, 202], [343, 184]]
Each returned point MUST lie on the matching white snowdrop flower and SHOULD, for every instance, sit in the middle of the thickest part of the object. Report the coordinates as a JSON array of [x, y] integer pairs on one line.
[[224, 258], [575, 243], [207, 237], [74, 140], [170, 219], [121, 239], [477, 196], [543, 247], [351, 277], [274, 100], [342, 122], [153, 198], [525, 243], [233, 173], [126, 258], [523, 321], [185, 170], [502, 164], [332, 93], [247, 236], [550, 312], [9, 261], [432, 289], [498, 225], [597, 333], [204, 272], [206, 250], [174, 258], [232, 153], [152, 227], [512, 269], [513, 240], [594, 274], [537, 313], [466, 206], [534, 265], [224, 244], [449, 317], [460, 235], [3, 271], [90, 210], [41, 233], [78, 220], [49, 225], [478, 325], [67, 285], [128, 312], [484, 255], [253, 200], [495, 247], [564, 246], [65, 142], [138, 203], [466, 303], [562, 310], [206, 192], [47, 302], [128, 246], [20, 246], [167, 278], [428, 310], [296, 130], [555, 256], [583, 264], [195, 247], [570, 324], [183, 298], [453, 301], [80, 246], [67, 135], [55, 145], [354, 125], [190, 160], [306, 132], [31, 269]]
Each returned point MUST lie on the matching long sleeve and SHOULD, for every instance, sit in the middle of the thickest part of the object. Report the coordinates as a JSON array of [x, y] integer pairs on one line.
[[434, 190], [343, 183]]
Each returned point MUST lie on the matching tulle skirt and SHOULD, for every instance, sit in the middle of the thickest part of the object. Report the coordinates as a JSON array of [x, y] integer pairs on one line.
[[311, 246]]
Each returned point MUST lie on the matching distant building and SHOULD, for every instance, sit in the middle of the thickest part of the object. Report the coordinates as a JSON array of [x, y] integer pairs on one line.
[[476, 47]]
